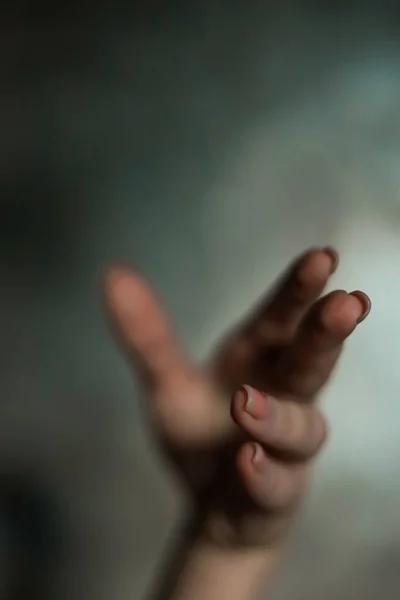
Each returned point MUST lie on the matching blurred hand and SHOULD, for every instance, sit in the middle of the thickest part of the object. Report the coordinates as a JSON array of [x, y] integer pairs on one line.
[[243, 429]]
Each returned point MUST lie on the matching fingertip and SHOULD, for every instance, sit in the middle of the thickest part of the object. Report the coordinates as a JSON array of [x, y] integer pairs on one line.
[[115, 273], [248, 402], [313, 269], [338, 313], [251, 460], [342, 311], [124, 289], [110, 278], [333, 255], [238, 402], [365, 302]]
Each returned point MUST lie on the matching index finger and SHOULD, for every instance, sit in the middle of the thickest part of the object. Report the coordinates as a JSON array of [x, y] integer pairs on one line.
[[309, 360], [298, 288]]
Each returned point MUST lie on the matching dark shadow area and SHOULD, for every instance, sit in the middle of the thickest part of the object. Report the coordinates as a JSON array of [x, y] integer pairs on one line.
[[34, 537], [39, 229], [152, 11]]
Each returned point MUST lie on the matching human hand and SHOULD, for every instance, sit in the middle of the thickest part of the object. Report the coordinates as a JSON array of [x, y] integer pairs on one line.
[[246, 465]]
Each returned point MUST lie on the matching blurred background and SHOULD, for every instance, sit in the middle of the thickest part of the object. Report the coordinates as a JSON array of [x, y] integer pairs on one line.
[[208, 142]]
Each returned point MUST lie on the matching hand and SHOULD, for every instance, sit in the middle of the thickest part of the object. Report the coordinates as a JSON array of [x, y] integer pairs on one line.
[[243, 452]]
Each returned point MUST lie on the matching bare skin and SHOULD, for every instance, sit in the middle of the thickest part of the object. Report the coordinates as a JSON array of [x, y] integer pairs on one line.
[[243, 429]]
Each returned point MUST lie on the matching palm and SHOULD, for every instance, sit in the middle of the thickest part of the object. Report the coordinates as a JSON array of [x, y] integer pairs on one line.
[[287, 348]]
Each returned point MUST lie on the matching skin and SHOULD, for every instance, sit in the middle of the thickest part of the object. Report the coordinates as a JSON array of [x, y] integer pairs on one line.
[[242, 430]]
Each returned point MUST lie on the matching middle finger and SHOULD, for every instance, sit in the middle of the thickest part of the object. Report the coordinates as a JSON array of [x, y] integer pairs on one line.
[[309, 360]]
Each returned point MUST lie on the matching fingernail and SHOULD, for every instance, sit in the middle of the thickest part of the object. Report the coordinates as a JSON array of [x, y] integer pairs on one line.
[[334, 256], [255, 402], [365, 302], [258, 457]]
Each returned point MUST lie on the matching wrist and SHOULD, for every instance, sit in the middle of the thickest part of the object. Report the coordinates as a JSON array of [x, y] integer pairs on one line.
[[226, 572], [205, 569]]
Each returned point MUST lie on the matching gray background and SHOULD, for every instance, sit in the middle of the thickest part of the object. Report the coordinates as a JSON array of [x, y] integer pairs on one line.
[[208, 142]]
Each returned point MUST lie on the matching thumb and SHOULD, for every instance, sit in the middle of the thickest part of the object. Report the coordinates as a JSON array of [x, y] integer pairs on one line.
[[142, 328]]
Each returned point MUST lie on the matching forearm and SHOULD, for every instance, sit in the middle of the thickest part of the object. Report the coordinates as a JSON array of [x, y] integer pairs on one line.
[[203, 571]]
